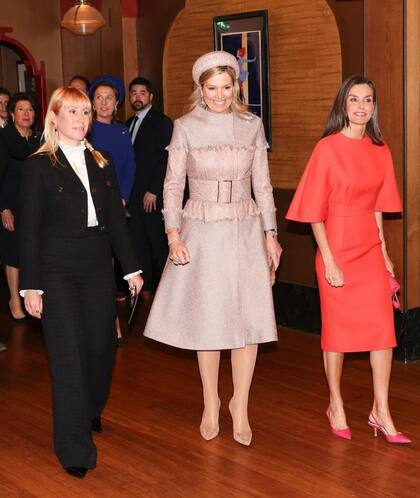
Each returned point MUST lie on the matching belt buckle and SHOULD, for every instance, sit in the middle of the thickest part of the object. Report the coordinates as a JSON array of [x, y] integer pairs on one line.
[[230, 191]]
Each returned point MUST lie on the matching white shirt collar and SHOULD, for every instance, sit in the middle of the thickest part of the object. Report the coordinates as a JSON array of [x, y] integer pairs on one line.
[[72, 149]]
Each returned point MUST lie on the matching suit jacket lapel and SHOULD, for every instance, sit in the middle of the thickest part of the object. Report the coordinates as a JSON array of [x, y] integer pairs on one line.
[[66, 168], [144, 124], [92, 170]]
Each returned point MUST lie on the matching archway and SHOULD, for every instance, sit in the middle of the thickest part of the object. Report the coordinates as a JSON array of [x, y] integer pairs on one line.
[[30, 77]]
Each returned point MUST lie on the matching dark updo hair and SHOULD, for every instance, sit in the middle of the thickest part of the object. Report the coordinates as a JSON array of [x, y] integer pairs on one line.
[[17, 97], [338, 119]]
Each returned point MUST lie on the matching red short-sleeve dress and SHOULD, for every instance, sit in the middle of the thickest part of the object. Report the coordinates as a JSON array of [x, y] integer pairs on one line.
[[344, 183]]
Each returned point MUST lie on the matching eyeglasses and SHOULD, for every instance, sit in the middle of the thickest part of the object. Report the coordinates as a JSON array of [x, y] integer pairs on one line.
[[22, 110]]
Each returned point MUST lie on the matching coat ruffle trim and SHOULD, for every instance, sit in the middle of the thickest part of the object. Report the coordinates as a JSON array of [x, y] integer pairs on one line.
[[217, 148], [212, 211]]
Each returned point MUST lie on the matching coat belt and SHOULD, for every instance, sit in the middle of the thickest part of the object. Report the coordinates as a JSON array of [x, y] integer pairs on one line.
[[221, 191]]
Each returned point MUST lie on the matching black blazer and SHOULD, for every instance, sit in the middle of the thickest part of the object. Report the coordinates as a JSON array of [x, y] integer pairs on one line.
[[53, 205], [153, 136]]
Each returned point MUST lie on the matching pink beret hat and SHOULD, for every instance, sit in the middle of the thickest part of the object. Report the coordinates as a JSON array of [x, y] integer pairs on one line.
[[214, 59]]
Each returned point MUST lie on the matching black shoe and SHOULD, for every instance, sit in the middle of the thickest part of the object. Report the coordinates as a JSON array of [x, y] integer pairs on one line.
[[78, 472], [97, 424], [120, 342]]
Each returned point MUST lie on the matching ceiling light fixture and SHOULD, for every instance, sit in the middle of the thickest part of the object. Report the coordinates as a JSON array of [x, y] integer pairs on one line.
[[83, 19]]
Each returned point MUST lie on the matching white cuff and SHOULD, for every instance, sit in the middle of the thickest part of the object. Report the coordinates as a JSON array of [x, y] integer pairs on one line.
[[22, 292], [129, 276]]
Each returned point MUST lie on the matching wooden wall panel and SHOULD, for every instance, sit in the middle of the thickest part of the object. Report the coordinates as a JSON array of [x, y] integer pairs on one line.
[[384, 65], [131, 61], [349, 16], [153, 28], [100, 53], [111, 39], [305, 70], [81, 55], [413, 154]]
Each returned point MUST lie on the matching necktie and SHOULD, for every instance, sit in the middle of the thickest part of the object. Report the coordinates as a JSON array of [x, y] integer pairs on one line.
[[133, 124]]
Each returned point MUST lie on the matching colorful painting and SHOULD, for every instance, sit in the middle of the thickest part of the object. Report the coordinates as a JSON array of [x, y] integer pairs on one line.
[[246, 37], [246, 47]]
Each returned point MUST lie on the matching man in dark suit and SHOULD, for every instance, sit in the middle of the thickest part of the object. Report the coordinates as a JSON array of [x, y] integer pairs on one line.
[[151, 132]]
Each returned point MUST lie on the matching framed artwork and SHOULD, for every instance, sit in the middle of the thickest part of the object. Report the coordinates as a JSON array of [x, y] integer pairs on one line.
[[246, 37]]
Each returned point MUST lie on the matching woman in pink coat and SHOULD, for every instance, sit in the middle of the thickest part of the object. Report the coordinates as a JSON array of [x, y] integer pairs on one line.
[[215, 292]]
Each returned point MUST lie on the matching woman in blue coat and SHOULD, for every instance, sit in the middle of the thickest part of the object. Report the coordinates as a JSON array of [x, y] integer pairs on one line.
[[107, 93]]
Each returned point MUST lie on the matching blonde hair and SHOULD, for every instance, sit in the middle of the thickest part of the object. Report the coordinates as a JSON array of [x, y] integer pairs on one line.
[[65, 95], [237, 106]]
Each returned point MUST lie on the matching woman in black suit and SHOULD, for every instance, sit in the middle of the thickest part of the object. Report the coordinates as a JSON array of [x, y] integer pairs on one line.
[[72, 218], [19, 141]]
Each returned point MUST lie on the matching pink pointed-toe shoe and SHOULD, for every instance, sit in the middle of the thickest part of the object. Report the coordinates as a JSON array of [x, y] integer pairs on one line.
[[398, 438], [343, 433]]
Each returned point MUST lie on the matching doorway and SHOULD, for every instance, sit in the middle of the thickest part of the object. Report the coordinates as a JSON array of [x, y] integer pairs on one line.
[[19, 71]]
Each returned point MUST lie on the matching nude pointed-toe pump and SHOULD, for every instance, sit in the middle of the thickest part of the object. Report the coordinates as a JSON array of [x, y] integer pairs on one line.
[[244, 437], [209, 432]]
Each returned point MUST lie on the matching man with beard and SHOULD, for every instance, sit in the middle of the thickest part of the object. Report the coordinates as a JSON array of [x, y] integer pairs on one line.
[[151, 132]]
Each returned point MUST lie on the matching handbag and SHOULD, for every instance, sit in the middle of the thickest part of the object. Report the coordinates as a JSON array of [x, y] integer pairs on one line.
[[395, 287]]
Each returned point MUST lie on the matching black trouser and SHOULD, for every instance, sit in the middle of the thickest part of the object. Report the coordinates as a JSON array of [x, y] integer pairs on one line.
[[150, 243], [79, 328]]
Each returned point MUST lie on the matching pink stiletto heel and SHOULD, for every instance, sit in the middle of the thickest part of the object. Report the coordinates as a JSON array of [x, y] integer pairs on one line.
[[398, 438], [343, 433]]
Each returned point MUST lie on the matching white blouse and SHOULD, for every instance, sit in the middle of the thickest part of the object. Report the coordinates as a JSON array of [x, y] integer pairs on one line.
[[75, 155]]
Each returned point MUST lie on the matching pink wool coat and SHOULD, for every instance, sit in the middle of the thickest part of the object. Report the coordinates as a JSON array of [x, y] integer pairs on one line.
[[222, 299]]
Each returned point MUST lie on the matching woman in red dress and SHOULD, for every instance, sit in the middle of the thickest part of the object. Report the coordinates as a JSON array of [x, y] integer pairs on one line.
[[347, 185]]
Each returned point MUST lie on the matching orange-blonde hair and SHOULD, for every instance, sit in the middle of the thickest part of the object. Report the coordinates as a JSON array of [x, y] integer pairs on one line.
[[65, 95]]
